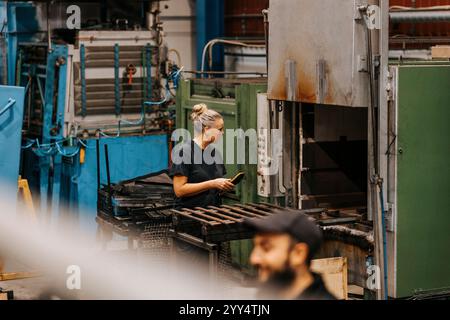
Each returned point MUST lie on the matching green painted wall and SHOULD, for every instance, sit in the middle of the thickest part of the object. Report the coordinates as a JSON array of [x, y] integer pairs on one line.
[[423, 238]]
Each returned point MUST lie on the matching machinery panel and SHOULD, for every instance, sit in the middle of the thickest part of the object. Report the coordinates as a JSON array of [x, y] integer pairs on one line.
[[264, 153], [318, 52], [423, 222], [11, 115]]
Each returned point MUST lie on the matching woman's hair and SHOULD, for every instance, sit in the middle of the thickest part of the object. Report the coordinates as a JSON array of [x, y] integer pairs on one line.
[[204, 117]]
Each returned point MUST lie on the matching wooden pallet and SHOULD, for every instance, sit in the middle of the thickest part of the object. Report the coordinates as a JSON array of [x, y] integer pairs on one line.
[[334, 274], [6, 276]]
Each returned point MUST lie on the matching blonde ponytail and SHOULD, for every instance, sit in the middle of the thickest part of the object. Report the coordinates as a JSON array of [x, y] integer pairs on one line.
[[198, 110], [204, 117]]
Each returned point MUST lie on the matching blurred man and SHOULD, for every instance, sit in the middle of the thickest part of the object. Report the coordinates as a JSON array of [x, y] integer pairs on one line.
[[284, 245]]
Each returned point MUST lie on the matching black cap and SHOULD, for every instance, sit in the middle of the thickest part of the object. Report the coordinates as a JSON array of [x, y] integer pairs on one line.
[[293, 222]]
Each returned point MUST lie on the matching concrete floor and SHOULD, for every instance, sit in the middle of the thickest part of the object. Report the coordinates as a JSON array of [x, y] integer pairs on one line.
[[26, 289], [38, 287]]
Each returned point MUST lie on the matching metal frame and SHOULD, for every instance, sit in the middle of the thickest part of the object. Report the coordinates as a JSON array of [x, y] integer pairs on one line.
[[116, 79], [148, 69], [213, 250], [391, 185], [106, 55], [12, 37], [53, 130], [83, 79], [383, 143]]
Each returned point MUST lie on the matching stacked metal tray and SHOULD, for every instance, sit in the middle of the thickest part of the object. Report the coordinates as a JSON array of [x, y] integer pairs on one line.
[[139, 207]]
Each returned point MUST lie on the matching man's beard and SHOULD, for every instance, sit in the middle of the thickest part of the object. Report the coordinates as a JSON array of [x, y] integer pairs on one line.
[[278, 282]]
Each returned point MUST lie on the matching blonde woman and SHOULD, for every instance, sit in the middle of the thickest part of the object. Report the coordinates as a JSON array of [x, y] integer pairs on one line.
[[196, 182]]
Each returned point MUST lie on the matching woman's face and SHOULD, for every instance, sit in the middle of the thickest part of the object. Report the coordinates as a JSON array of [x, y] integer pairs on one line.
[[214, 133]]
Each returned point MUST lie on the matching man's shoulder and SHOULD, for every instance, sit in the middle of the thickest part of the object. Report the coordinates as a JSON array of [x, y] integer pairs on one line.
[[317, 290]]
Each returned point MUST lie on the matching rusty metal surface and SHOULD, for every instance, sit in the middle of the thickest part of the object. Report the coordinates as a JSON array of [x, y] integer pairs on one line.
[[325, 41]]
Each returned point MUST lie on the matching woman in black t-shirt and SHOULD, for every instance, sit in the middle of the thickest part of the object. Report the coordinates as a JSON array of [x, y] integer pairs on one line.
[[198, 170]]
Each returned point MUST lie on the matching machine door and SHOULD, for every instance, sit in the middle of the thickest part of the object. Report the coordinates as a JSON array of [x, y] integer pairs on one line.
[[423, 202], [11, 118]]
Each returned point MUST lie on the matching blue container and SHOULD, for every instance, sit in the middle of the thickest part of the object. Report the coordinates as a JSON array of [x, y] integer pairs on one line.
[[129, 157]]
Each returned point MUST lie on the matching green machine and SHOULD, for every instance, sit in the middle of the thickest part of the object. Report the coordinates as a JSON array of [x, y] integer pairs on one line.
[[418, 189], [236, 101]]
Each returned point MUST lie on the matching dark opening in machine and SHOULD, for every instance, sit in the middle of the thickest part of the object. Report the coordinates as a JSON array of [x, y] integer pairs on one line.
[[334, 157]]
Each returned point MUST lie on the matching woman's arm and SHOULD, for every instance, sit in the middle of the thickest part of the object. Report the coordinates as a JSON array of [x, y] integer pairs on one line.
[[183, 189]]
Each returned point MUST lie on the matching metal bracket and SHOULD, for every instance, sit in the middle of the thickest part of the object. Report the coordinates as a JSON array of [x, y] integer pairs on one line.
[[359, 10], [362, 63], [390, 217], [290, 68], [116, 79], [321, 80], [148, 66], [83, 79], [371, 14], [390, 86]]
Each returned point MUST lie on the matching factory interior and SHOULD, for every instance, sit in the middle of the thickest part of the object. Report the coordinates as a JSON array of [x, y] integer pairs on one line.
[[342, 108]]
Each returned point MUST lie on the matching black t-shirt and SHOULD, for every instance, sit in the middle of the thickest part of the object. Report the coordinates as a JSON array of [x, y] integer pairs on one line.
[[198, 170], [316, 291]]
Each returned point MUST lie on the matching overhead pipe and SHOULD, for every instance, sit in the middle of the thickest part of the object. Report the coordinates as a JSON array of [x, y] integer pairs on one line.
[[417, 16], [212, 42]]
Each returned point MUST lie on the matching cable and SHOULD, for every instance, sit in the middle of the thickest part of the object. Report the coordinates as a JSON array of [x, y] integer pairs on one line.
[[69, 155], [43, 150], [108, 136], [177, 54], [174, 77], [211, 43], [28, 146], [84, 145], [47, 149]]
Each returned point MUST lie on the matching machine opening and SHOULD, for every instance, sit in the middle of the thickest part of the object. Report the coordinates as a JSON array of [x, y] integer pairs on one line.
[[334, 157]]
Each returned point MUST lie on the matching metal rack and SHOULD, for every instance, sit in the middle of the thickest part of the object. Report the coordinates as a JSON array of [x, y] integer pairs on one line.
[[138, 209]]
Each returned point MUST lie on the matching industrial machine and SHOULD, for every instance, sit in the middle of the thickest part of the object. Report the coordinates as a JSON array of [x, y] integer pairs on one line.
[[106, 79], [345, 114], [351, 122], [342, 102]]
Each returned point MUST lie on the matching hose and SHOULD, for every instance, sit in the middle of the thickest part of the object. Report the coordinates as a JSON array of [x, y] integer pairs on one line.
[[212, 42]]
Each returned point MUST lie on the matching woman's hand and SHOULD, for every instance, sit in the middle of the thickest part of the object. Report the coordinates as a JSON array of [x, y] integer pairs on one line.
[[222, 184]]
